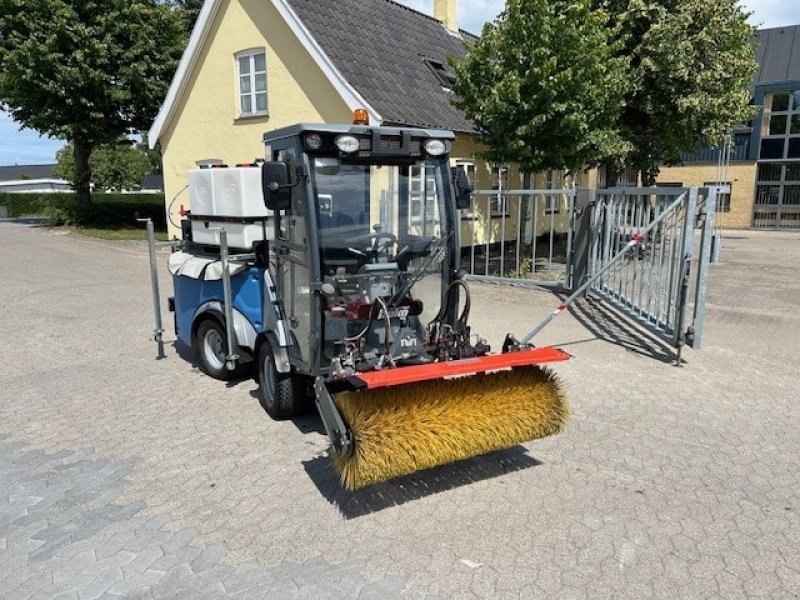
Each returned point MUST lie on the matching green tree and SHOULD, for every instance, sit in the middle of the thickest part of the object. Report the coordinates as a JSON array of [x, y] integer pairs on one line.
[[87, 71], [546, 82], [114, 166], [190, 9], [692, 64]]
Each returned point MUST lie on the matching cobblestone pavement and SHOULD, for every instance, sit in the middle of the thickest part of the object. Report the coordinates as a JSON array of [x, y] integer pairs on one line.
[[125, 476]]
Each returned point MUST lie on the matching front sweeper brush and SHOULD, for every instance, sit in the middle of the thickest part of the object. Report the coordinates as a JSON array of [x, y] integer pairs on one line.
[[400, 430], [405, 420]]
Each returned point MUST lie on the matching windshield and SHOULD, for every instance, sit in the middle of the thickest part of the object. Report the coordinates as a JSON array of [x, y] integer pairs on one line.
[[383, 240], [377, 212]]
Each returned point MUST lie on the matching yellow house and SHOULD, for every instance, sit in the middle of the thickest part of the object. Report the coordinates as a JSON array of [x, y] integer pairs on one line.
[[256, 65]]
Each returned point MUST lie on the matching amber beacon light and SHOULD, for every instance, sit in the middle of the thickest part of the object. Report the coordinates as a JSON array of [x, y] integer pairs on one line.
[[360, 116]]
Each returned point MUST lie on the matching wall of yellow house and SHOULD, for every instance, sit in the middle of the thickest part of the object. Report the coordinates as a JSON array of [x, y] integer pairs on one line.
[[742, 177], [482, 225], [206, 121]]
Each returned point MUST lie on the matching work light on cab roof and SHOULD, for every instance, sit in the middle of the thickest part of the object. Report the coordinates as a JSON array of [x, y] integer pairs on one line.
[[347, 143], [435, 147]]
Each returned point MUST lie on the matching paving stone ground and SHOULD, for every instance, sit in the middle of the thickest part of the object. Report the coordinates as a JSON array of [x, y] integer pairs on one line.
[[125, 476]]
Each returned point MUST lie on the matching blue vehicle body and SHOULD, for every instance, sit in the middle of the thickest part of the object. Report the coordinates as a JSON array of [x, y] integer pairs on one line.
[[191, 295]]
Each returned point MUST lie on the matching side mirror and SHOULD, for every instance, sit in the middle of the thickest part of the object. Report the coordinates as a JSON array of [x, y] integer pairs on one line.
[[463, 188], [275, 185]]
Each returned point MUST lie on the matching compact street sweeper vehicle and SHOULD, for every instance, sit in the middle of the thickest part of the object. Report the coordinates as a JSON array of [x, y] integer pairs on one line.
[[334, 266]]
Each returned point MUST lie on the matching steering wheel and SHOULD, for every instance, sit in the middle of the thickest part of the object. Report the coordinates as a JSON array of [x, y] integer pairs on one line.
[[379, 244]]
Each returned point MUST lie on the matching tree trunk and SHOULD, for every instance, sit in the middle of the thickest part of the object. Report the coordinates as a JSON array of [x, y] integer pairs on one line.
[[649, 177], [612, 174], [83, 172]]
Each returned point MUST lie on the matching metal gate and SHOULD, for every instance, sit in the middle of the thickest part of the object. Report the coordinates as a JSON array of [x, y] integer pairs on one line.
[[573, 238], [653, 282]]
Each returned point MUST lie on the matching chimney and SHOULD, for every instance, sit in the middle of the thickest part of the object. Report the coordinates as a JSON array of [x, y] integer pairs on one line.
[[445, 11]]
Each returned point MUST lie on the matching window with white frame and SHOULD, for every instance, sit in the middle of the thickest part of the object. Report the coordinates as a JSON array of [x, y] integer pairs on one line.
[[469, 170], [252, 72], [723, 194], [422, 195], [501, 181], [554, 180]]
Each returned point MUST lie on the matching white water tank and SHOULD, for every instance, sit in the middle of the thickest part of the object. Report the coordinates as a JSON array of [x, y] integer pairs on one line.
[[229, 198]]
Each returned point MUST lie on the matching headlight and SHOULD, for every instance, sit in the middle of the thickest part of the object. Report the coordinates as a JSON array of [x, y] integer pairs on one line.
[[435, 147], [313, 141], [347, 144]]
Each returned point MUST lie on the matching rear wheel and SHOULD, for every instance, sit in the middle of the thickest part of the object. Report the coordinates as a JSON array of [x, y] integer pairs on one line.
[[211, 348], [282, 395]]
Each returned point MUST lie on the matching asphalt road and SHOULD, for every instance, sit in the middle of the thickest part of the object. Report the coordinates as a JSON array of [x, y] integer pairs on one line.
[[121, 475]]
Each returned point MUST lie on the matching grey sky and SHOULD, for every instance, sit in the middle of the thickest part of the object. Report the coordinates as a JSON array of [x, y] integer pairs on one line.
[[27, 147]]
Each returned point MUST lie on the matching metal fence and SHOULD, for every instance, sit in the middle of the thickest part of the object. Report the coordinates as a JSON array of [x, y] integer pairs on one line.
[[517, 236]]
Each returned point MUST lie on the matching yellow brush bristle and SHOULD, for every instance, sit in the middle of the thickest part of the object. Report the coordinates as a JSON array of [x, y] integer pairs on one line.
[[404, 429]]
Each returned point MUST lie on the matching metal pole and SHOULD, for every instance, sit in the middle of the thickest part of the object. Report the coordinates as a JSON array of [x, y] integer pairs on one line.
[[519, 234], [233, 349], [486, 232], [635, 240], [158, 332], [473, 216], [701, 289], [503, 200], [571, 221]]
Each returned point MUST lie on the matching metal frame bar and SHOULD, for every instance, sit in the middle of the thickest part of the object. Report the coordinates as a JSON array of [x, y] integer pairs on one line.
[[233, 347]]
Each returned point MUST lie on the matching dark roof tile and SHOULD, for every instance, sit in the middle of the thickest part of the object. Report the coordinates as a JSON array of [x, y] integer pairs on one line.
[[15, 172], [380, 48]]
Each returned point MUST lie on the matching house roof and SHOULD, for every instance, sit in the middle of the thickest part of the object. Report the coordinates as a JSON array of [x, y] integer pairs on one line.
[[17, 172], [778, 55], [391, 42], [388, 52]]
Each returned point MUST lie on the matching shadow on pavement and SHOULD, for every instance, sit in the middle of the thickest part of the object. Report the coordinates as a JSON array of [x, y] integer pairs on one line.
[[609, 325], [413, 487], [244, 372]]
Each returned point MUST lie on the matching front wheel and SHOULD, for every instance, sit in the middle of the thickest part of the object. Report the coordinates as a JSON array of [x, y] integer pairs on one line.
[[281, 395]]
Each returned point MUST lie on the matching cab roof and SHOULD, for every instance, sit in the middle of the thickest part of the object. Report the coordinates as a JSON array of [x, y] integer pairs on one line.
[[303, 128]]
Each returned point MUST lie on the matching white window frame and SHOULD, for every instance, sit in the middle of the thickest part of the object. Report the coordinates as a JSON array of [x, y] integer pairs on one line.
[[498, 205], [723, 197], [423, 199], [554, 180], [251, 55]]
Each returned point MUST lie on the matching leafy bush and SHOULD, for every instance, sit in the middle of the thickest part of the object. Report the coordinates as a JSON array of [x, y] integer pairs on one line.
[[108, 211]]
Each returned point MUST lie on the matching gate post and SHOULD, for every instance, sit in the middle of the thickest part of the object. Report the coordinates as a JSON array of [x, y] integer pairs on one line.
[[707, 241], [581, 227]]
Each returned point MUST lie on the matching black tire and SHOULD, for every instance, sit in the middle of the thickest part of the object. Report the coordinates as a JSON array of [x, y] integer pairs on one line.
[[282, 395], [210, 348]]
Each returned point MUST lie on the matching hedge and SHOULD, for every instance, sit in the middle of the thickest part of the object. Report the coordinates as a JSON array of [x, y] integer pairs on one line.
[[108, 211]]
